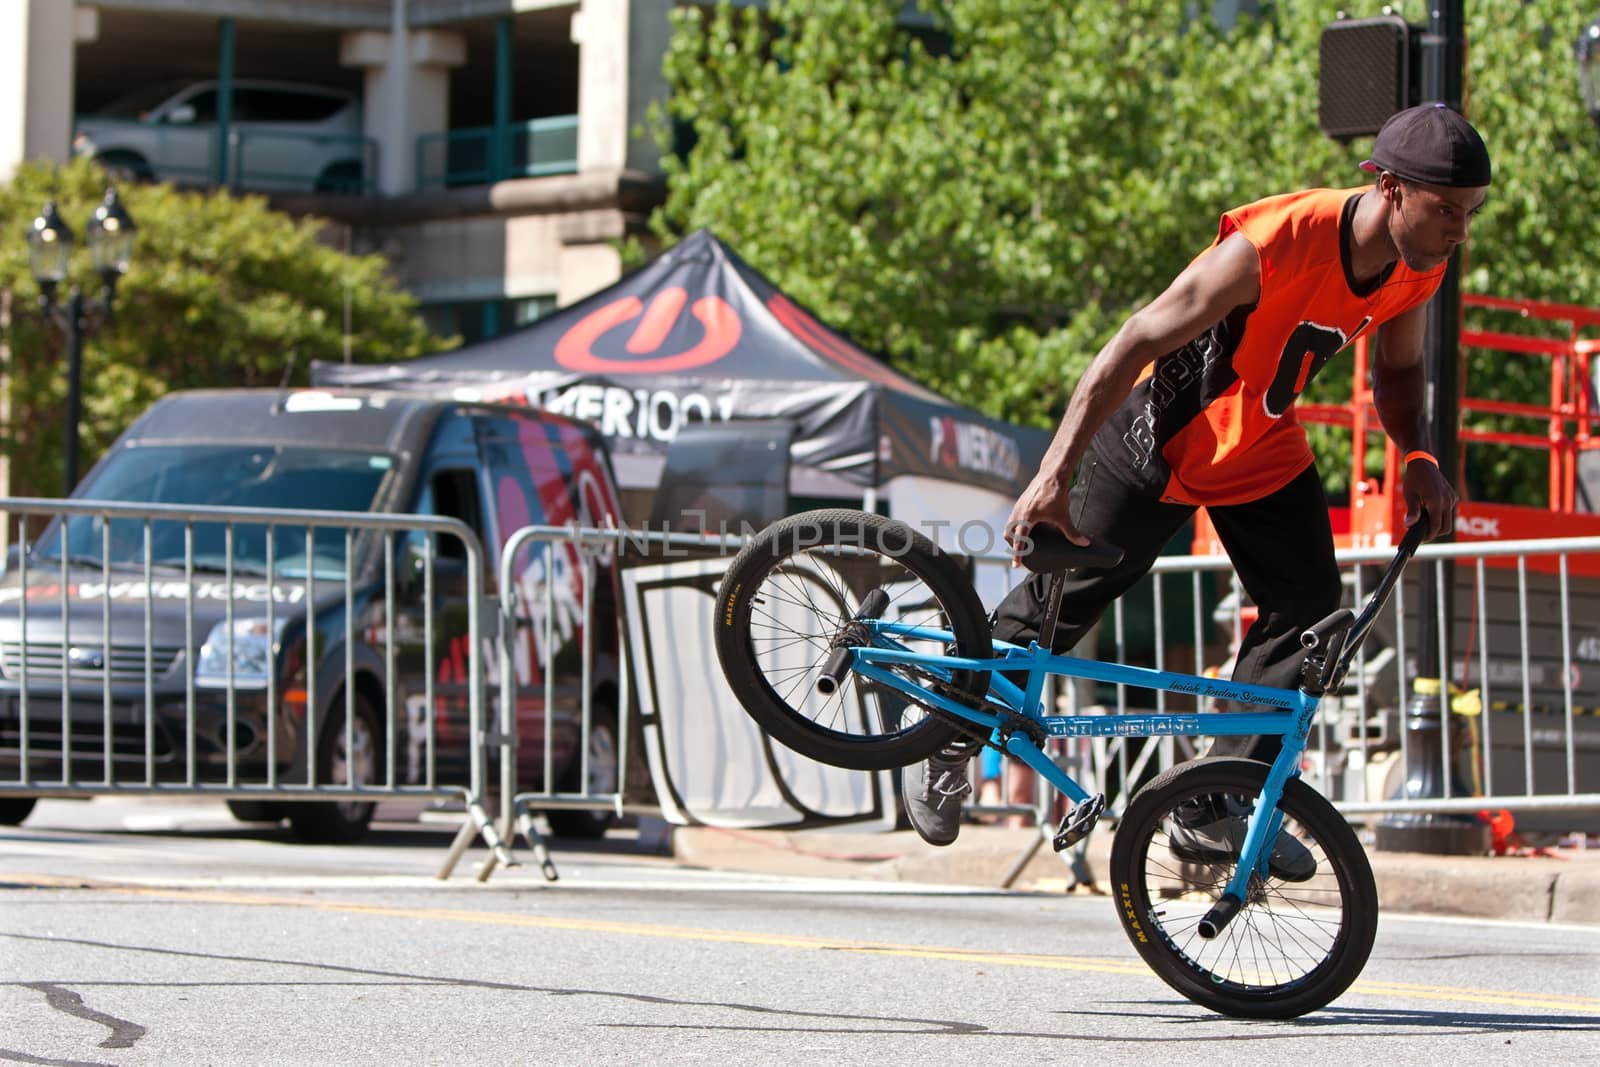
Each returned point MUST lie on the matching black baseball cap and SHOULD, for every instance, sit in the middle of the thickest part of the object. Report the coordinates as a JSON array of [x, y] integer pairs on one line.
[[1431, 144]]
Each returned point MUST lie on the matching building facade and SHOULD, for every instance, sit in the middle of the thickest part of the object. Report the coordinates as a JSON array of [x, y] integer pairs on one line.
[[494, 149], [497, 154]]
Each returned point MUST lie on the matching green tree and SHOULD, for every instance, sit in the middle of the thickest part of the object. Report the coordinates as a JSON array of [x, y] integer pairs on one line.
[[986, 203], [223, 291]]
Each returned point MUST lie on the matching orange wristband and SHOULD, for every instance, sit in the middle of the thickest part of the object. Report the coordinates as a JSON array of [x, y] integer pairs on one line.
[[1426, 457]]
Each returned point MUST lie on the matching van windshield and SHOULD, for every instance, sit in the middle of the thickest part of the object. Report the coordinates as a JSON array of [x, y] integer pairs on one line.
[[257, 476]]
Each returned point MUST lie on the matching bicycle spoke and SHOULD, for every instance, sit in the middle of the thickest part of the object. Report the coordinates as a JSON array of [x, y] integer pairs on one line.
[[801, 607], [787, 615]]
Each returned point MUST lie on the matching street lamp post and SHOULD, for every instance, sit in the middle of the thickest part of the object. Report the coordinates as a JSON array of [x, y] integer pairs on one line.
[[110, 234], [1427, 716]]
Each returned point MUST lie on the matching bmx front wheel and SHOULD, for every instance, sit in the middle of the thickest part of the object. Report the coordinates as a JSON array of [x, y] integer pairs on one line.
[[1303, 933], [789, 595]]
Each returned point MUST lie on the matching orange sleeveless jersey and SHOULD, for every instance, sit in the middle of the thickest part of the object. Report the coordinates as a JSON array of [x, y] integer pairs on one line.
[[1214, 422]]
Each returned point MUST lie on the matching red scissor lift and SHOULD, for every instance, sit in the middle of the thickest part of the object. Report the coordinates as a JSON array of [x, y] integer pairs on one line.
[[1567, 427]]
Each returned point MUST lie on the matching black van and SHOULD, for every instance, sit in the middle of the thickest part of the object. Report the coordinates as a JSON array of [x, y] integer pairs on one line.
[[496, 468]]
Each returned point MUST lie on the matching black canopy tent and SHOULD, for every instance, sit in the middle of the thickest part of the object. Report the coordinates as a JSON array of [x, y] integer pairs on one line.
[[697, 334]]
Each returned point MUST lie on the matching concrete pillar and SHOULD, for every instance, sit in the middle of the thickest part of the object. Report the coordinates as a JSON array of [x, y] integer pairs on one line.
[[620, 45], [37, 43], [649, 33], [407, 93], [586, 267]]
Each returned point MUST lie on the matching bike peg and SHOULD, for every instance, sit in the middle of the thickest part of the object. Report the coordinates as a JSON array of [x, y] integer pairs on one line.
[[854, 633], [1319, 635], [1052, 552], [1220, 915]]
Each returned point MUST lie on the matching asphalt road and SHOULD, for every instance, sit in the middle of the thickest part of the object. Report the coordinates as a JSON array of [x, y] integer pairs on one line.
[[188, 940]]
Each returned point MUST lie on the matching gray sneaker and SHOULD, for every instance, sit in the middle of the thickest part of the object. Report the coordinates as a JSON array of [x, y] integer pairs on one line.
[[1201, 833], [932, 792]]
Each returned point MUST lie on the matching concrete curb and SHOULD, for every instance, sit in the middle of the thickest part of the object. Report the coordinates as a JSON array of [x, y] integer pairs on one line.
[[1562, 888]]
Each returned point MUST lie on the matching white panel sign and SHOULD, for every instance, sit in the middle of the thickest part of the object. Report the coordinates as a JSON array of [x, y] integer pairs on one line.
[[709, 761]]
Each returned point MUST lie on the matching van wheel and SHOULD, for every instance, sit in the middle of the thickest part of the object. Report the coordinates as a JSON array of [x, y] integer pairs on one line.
[[255, 810], [341, 177], [604, 773], [14, 809], [342, 822], [125, 166]]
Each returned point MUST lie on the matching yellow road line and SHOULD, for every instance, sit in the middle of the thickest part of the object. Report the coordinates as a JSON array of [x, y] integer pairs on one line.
[[1133, 966]]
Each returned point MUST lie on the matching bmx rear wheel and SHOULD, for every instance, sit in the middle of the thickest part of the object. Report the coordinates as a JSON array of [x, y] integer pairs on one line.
[[1294, 945], [789, 594]]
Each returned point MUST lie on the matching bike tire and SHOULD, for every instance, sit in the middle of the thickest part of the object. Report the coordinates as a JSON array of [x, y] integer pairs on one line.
[[788, 593], [1292, 948]]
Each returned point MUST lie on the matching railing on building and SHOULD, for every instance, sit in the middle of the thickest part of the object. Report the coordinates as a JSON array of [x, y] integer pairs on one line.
[[485, 154], [260, 158]]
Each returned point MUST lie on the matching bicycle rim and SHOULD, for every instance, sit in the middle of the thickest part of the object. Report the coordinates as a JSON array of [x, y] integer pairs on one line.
[[789, 599], [1293, 947]]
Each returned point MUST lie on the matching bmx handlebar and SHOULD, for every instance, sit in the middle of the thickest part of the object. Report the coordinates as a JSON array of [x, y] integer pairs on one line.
[[1380, 596]]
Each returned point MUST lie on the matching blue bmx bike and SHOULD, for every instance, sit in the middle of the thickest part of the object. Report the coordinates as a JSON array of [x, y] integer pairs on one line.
[[855, 641]]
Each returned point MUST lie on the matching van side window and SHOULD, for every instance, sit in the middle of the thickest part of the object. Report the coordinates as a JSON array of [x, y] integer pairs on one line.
[[283, 105], [451, 494], [204, 104]]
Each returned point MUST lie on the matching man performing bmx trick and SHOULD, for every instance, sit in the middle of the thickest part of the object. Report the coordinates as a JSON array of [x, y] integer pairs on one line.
[[1191, 405]]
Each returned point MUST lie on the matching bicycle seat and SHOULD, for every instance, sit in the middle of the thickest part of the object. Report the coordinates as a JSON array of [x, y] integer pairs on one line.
[[1053, 553]]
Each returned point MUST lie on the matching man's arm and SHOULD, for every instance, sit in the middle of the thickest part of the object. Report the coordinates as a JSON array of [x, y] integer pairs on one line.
[[1227, 277], [1399, 391]]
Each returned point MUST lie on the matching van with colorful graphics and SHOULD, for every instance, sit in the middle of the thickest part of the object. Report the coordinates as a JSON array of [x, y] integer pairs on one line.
[[188, 626]]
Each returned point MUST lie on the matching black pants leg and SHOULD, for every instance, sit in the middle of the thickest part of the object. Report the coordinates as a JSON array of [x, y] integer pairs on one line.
[[1282, 548], [1104, 508]]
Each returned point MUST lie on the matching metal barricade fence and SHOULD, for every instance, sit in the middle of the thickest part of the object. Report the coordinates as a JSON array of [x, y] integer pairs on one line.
[[527, 619], [1517, 712], [528, 615], [1525, 623], [1342, 749], [526, 605], [107, 688], [181, 730]]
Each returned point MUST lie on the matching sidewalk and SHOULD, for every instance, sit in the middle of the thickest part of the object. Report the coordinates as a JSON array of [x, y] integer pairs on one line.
[[1561, 888]]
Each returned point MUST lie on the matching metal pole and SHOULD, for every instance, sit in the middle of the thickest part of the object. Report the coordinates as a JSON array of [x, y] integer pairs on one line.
[[74, 329], [501, 156], [5, 410], [222, 165], [1427, 716]]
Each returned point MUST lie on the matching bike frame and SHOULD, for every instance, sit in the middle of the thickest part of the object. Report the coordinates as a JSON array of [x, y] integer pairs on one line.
[[1012, 715], [1292, 723]]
